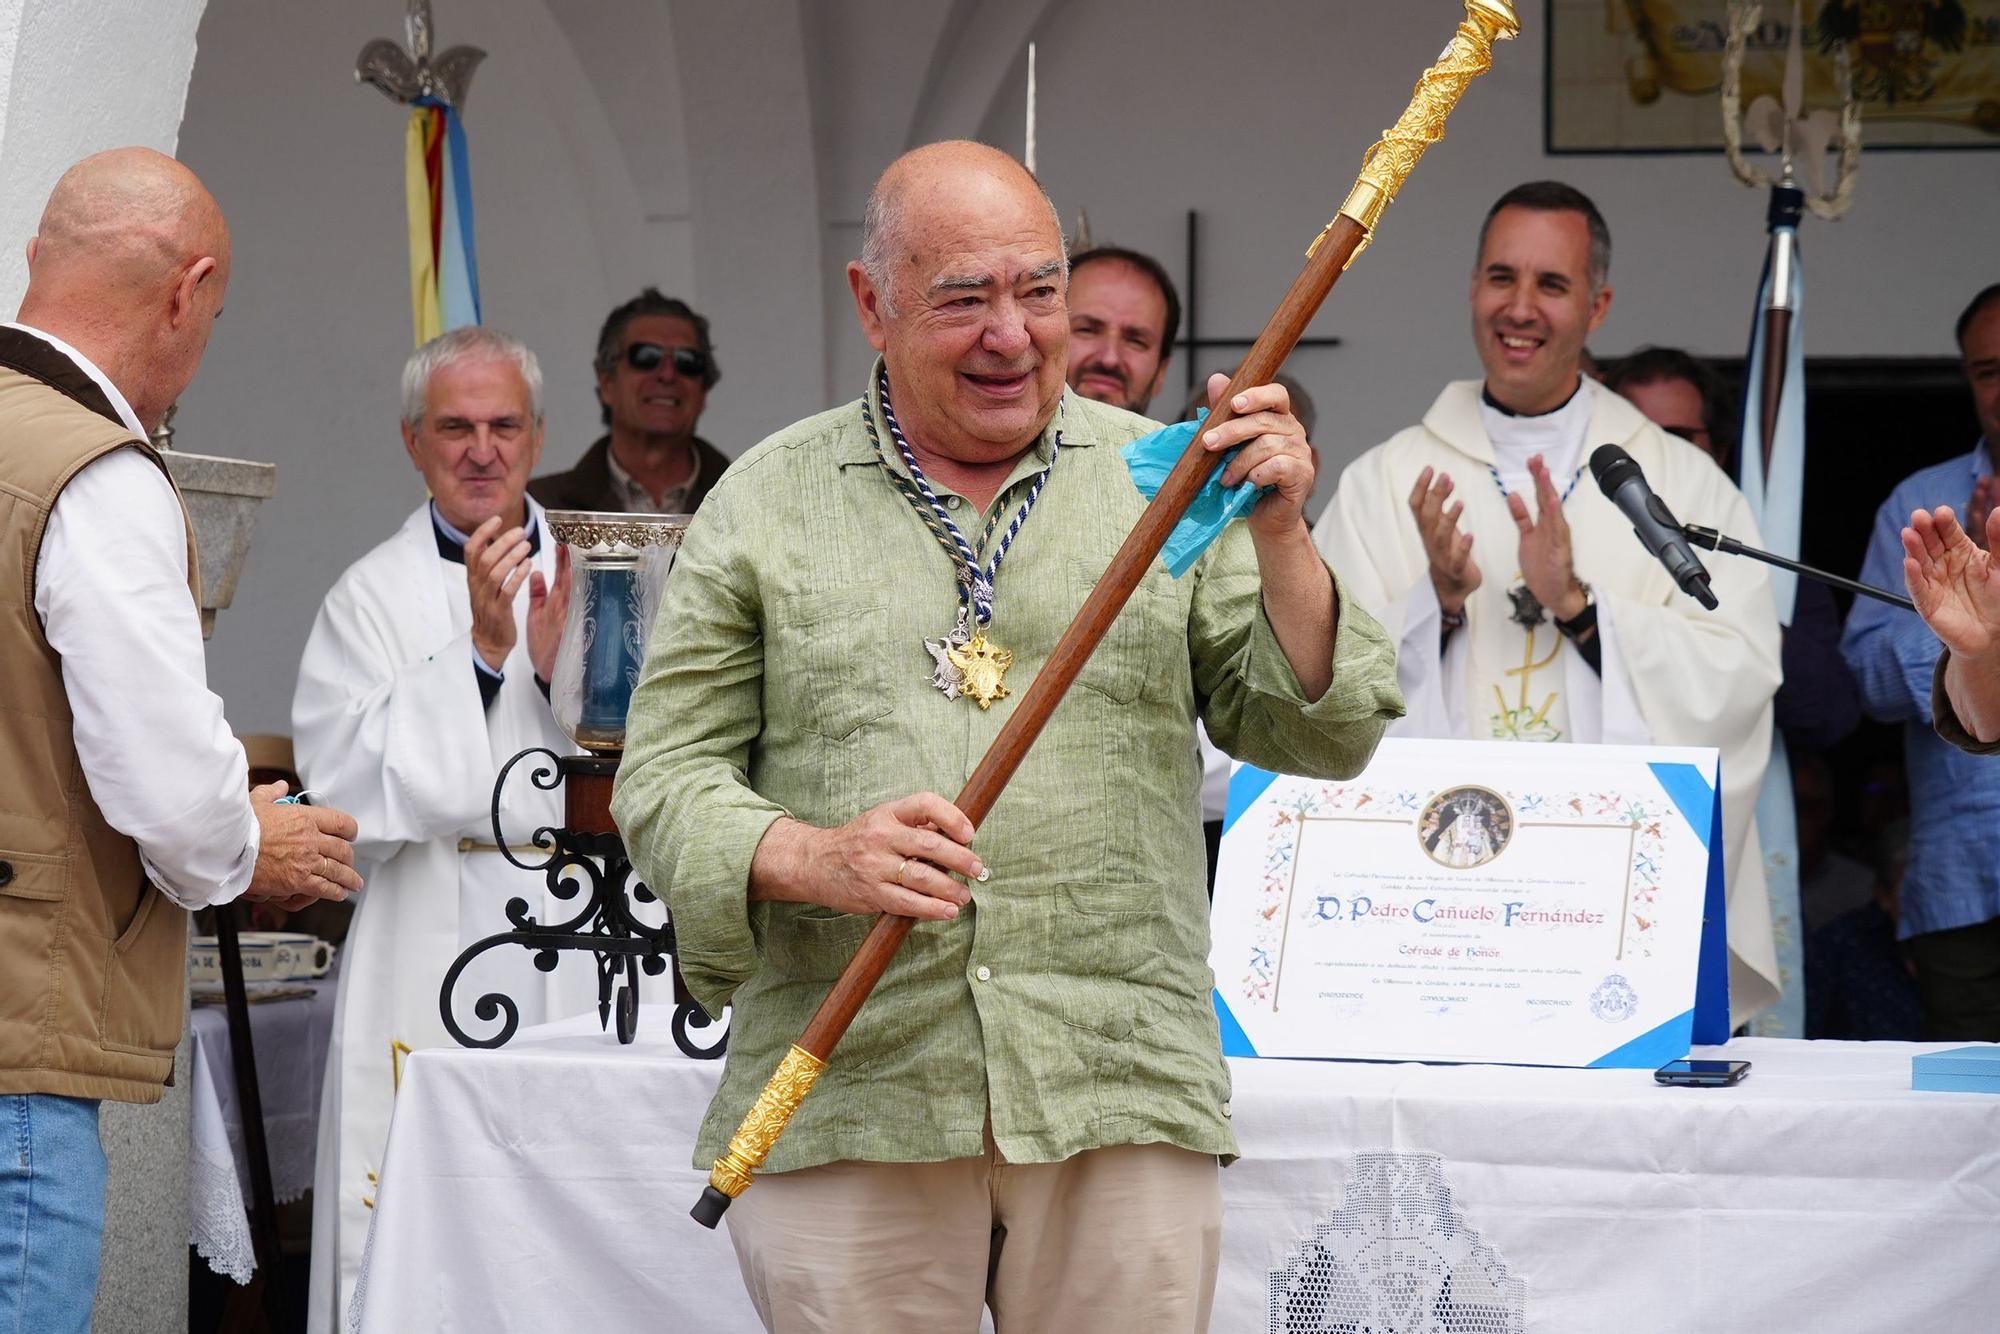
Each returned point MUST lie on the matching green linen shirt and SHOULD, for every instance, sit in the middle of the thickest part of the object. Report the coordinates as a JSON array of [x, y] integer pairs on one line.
[[787, 675]]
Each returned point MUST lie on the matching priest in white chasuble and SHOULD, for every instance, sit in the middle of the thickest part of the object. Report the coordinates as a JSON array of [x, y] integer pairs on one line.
[[1523, 606], [424, 674]]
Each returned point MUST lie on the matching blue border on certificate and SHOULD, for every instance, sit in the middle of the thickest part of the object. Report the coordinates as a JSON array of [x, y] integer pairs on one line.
[[1235, 1042], [1700, 803], [1245, 786], [1689, 789], [1650, 1051]]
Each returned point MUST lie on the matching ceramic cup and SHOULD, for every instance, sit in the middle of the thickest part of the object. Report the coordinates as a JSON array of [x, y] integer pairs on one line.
[[260, 959], [294, 954], [268, 956], [204, 959]]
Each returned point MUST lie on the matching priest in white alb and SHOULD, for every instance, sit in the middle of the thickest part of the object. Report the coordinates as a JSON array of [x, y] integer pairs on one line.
[[1523, 606], [426, 672]]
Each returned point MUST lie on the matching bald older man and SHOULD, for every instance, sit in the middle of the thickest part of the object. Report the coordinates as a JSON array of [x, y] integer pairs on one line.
[[1028, 1113], [127, 798]]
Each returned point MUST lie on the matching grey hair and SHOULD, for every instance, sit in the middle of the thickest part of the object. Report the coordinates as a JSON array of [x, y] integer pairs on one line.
[[882, 223], [881, 220], [473, 342]]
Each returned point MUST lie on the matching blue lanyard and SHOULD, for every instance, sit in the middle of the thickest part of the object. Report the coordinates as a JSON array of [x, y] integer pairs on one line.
[[975, 586]]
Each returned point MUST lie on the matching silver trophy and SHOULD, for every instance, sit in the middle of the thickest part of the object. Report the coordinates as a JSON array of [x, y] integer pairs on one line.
[[618, 568]]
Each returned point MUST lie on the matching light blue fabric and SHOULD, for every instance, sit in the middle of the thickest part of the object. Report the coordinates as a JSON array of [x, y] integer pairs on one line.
[[51, 1213], [1952, 879], [1778, 834], [1151, 457], [1778, 501]]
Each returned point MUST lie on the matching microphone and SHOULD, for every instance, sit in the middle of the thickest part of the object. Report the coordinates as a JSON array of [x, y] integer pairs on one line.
[[1654, 525]]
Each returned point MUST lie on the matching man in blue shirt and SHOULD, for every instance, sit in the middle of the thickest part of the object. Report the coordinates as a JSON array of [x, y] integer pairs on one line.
[[1951, 891]]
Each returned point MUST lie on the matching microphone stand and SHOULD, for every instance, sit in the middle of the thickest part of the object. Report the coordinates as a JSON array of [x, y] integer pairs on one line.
[[1714, 541]]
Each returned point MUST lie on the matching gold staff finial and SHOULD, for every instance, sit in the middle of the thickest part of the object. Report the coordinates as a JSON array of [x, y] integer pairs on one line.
[[1390, 159]]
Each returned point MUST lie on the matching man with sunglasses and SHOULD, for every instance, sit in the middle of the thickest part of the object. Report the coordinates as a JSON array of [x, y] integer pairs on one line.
[[655, 366], [1679, 393]]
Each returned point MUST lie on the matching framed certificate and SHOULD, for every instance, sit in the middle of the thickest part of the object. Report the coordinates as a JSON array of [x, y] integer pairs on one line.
[[1475, 901], [1643, 76]]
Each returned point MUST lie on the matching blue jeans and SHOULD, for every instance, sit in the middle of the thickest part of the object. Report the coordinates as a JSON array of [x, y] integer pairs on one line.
[[51, 1213]]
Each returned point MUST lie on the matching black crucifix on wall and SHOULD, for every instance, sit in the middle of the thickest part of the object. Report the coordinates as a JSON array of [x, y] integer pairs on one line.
[[1194, 342]]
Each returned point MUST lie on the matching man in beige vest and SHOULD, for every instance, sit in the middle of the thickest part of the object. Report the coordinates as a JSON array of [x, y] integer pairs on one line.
[[123, 797]]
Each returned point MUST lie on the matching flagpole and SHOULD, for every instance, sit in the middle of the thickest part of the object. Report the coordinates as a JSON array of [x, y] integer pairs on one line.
[[1770, 466], [1028, 148], [1781, 263]]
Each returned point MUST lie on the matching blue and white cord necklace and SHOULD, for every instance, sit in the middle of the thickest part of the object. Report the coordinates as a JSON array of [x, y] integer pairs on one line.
[[965, 661]]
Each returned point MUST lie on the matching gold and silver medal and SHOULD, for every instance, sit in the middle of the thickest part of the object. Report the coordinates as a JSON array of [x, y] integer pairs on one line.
[[964, 662]]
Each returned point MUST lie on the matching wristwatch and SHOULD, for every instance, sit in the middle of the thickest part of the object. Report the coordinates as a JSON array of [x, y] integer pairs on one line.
[[1578, 624]]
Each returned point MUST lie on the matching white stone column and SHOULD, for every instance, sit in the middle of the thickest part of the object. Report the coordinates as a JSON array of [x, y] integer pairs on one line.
[[79, 76]]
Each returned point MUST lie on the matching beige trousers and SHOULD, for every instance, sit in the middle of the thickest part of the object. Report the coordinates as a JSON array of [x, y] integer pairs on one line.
[[1123, 1238]]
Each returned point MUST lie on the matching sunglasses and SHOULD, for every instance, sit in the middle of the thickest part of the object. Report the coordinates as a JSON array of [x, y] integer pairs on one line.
[[689, 361]]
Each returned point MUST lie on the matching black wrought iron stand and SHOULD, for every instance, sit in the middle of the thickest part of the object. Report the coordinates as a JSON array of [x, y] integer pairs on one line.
[[585, 857]]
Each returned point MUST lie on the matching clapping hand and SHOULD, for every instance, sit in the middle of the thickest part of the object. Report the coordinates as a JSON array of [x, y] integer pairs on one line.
[[1955, 584], [1546, 565], [496, 565], [1984, 492], [548, 608], [1454, 574]]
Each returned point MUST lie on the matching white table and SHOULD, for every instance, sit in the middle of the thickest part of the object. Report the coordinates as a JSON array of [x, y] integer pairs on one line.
[[546, 1186], [290, 1038]]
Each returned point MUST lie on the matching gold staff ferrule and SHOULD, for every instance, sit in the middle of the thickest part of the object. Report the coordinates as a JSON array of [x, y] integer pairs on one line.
[[1390, 160], [789, 1084]]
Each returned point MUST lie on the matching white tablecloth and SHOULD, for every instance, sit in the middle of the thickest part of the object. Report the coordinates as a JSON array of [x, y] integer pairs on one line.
[[545, 1186], [290, 1039]]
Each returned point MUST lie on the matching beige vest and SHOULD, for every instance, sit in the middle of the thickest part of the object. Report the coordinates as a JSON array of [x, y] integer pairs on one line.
[[93, 957]]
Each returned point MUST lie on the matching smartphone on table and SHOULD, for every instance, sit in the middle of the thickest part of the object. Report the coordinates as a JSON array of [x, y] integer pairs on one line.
[[1702, 1074]]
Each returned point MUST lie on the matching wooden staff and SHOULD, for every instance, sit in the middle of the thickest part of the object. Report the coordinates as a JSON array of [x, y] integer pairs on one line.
[[1385, 167]]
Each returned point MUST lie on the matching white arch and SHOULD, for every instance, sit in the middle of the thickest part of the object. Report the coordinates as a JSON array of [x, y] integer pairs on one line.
[[76, 77]]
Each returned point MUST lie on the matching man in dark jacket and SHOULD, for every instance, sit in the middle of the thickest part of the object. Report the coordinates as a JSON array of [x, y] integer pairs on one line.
[[655, 366]]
